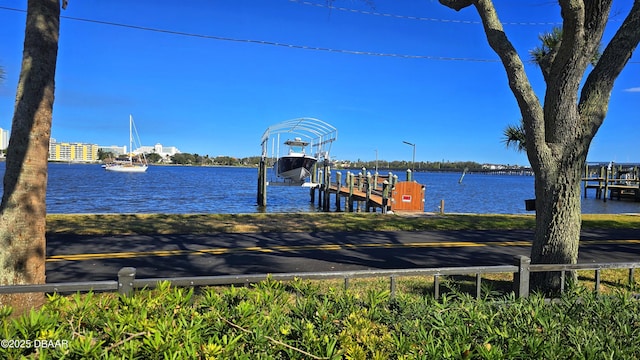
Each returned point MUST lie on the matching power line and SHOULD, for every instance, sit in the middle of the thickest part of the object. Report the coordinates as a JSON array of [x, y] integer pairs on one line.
[[274, 43], [286, 45], [271, 43], [418, 18]]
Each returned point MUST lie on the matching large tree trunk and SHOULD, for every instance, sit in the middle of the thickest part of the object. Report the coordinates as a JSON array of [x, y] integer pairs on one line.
[[558, 221], [559, 134], [23, 208]]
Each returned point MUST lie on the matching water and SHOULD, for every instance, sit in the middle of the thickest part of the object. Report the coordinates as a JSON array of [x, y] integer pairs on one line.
[[76, 188]]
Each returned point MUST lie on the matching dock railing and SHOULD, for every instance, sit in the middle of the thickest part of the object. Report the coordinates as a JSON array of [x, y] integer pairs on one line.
[[612, 180], [367, 192], [521, 269]]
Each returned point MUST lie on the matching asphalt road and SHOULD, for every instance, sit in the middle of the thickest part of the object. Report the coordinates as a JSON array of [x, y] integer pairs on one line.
[[84, 258]]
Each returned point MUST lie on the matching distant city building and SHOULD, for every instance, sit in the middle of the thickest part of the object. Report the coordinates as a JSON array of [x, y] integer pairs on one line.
[[501, 167], [4, 139], [115, 150], [493, 167], [163, 151], [72, 151]]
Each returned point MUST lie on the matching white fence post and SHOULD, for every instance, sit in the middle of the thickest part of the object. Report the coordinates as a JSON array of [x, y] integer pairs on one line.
[[126, 275]]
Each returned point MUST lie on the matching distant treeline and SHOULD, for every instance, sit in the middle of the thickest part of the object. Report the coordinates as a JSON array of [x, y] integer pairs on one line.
[[206, 160], [195, 159], [418, 166], [191, 159]]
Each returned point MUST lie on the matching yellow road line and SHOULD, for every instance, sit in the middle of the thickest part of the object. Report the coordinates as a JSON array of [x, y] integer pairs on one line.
[[605, 242], [321, 247]]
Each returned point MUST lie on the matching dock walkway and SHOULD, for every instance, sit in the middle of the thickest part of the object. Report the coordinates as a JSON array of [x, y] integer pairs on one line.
[[369, 192], [619, 182]]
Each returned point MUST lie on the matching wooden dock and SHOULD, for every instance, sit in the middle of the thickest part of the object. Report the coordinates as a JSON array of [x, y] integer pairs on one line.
[[613, 181], [368, 192]]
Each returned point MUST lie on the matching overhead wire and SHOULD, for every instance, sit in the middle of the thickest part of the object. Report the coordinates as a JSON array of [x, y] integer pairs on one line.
[[267, 42], [272, 43], [418, 18]]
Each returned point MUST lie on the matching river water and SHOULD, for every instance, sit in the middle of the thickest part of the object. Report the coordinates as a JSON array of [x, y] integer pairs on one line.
[[78, 188]]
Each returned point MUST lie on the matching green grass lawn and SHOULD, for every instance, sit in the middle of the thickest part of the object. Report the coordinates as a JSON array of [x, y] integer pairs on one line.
[[111, 224]]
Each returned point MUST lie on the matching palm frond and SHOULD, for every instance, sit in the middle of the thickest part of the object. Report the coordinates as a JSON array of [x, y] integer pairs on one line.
[[514, 136], [549, 42]]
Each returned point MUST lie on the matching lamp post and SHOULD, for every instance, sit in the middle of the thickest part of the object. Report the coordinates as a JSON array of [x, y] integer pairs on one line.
[[413, 159], [376, 160]]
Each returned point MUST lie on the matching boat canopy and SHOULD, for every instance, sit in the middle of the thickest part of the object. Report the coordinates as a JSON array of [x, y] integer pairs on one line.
[[305, 131]]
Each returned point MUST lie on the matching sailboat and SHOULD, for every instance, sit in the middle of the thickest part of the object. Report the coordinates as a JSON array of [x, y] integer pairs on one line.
[[140, 165]]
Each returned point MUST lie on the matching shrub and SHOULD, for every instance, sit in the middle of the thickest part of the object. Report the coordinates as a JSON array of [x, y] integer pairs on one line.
[[301, 320]]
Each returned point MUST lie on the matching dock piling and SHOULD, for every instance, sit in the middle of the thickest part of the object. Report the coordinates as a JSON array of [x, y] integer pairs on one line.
[[262, 182], [338, 188], [350, 181], [385, 196], [327, 185], [314, 180], [368, 193], [320, 187], [361, 178], [606, 182]]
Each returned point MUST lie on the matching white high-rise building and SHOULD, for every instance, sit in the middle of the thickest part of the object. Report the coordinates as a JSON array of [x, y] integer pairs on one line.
[[4, 139], [159, 149], [114, 149]]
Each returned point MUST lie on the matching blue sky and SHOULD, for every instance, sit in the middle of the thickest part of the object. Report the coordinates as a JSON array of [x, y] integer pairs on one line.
[[207, 94]]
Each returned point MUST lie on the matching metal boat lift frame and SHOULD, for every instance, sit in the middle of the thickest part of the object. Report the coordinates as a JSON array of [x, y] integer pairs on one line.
[[318, 133]]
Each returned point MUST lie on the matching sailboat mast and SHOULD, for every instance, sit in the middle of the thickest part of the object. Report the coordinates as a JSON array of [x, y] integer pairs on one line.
[[130, 139]]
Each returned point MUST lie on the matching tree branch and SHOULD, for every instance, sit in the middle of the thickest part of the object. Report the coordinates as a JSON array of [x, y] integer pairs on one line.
[[574, 54], [583, 25], [597, 88], [595, 17], [572, 35], [456, 5], [528, 102], [564, 75], [582, 29]]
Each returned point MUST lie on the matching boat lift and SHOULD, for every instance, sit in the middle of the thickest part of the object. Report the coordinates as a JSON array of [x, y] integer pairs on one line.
[[318, 133]]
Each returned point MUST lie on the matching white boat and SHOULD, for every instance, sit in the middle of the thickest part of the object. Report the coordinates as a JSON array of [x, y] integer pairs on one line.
[[296, 165], [129, 165]]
